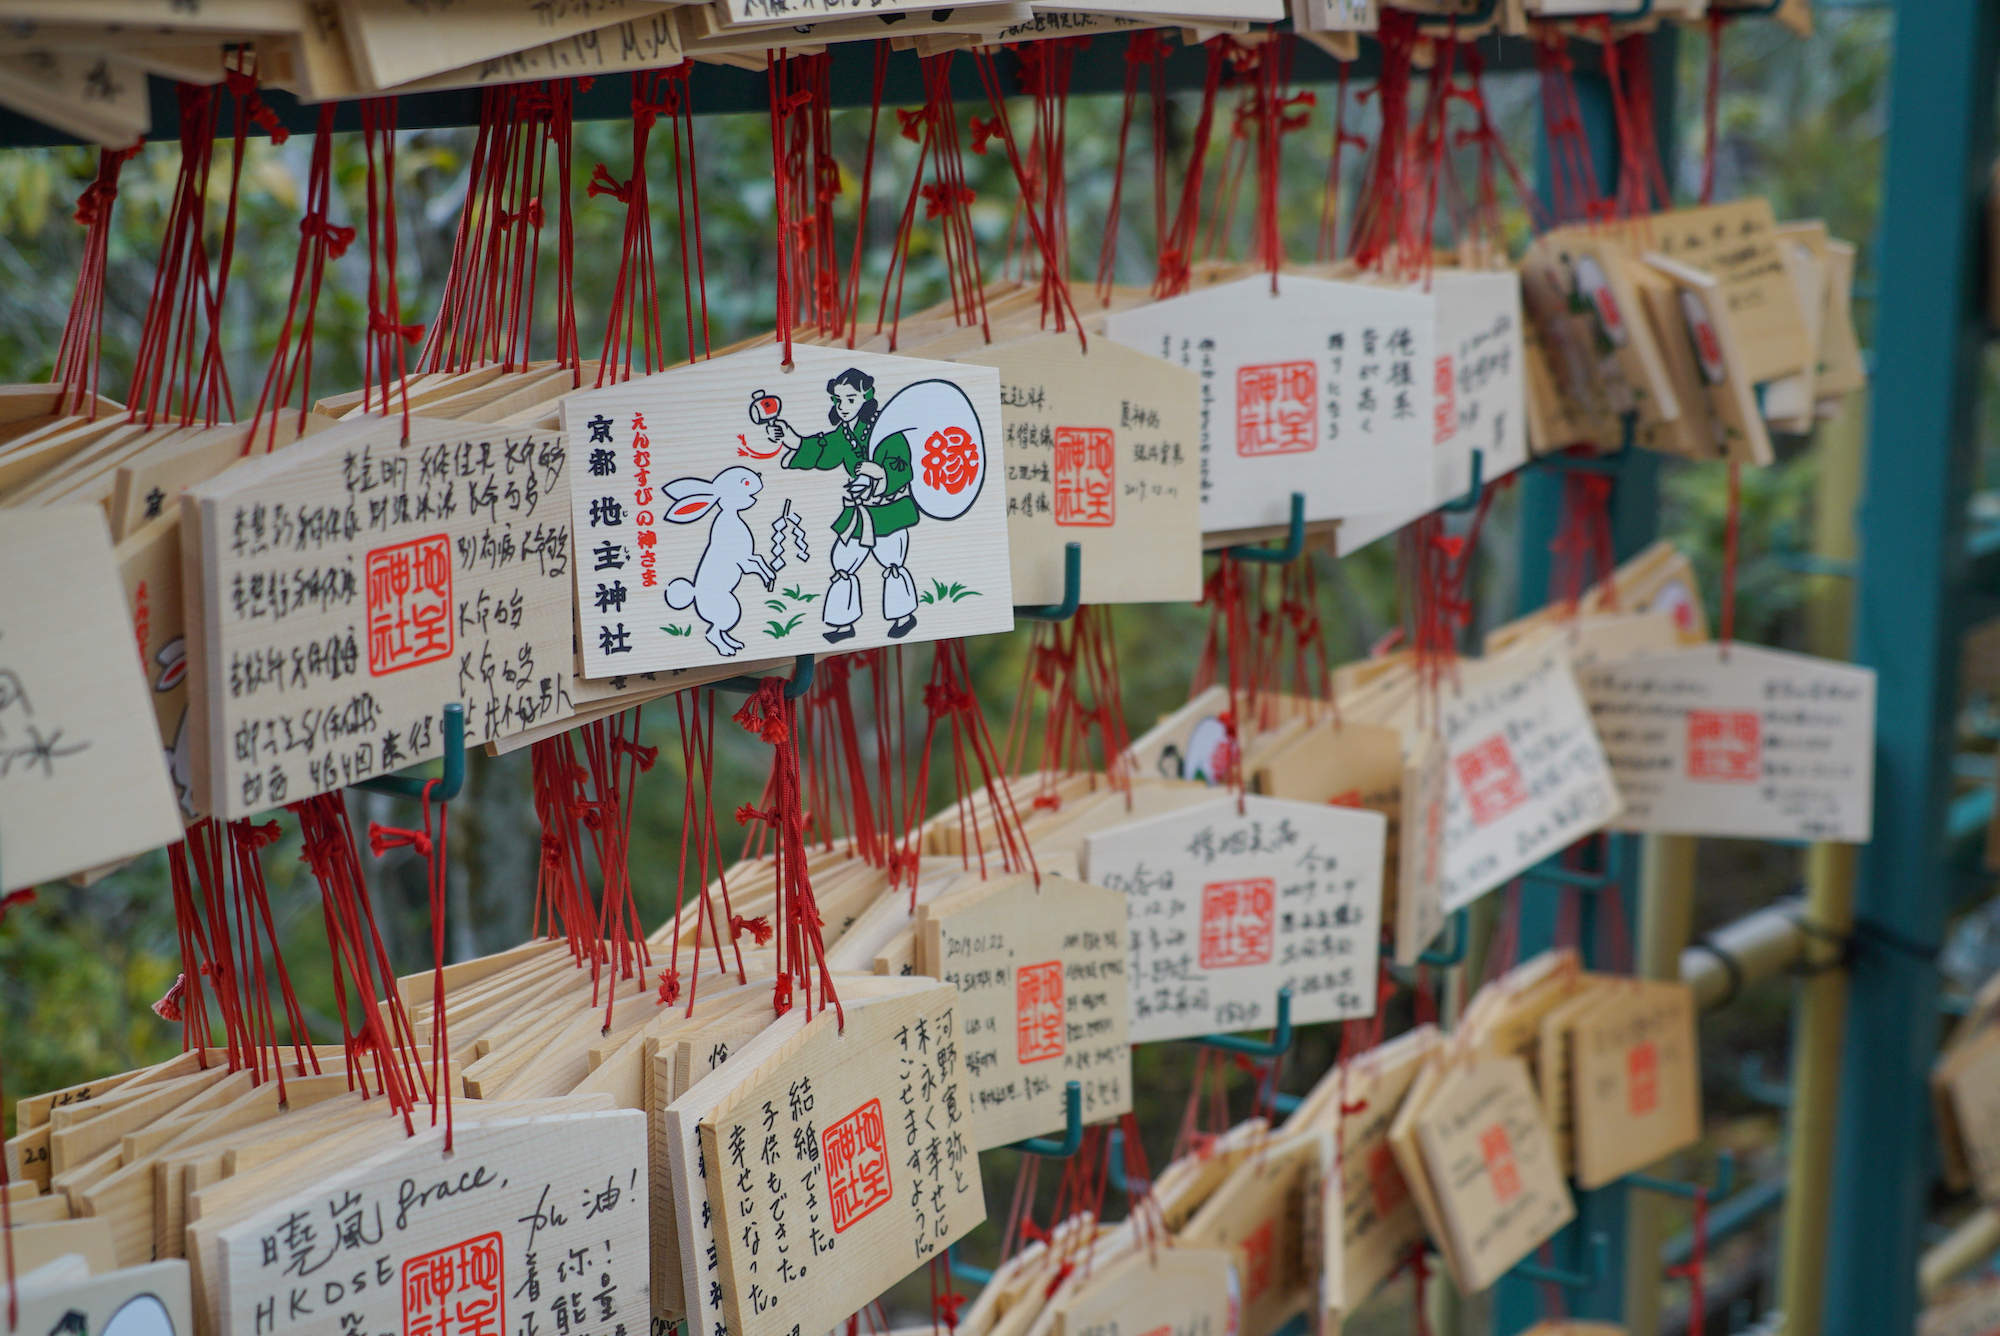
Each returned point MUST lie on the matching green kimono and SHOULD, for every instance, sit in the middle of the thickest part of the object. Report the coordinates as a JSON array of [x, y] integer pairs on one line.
[[845, 447]]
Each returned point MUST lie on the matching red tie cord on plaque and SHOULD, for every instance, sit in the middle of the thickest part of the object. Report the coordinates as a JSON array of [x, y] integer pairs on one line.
[[1045, 75], [1142, 49], [429, 842], [1694, 1269], [1484, 220], [615, 761], [851, 300], [1436, 568], [169, 345], [1711, 105], [359, 957], [385, 364], [1329, 216], [76, 368], [1045, 211], [801, 947], [1385, 235], [319, 241], [1073, 673], [1628, 68], [1178, 238], [1582, 544], [696, 714], [1573, 187], [808, 178], [946, 199], [486, 314], [949, 695]]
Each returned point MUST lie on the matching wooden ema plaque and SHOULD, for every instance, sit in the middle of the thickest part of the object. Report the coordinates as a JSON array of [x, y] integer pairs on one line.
[[353, 584], [1042, 1000], [1226, 908], [63, 1296], [1381, 1221], [1478, 395], [530, 1224], [1320, 387], [1740, 741], [1267, 1213], [1737, 243], [1102, 449], [1487, 1155], [1637, 1078], [1525, 774], [83, 781], [731, 510], [1177, 1291], [842, 1163]]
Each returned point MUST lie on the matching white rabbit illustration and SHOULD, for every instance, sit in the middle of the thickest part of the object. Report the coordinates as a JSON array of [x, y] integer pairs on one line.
[[730, 555]]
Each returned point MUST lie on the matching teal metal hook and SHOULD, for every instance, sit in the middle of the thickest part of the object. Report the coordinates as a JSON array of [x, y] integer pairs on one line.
[[409, 786], [1600, 1256], [1295, 539], [1072, 591], [1279, 1044], [1562, 462], [1072, 1137], [1470, 501], [1454, 954], [1725, 1181], [801, 683]]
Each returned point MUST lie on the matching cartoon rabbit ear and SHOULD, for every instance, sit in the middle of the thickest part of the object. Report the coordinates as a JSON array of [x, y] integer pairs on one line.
[[689, 499]]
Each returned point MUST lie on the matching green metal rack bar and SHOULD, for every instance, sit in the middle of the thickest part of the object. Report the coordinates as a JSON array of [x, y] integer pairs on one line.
[[1910, 601], [720, 89]]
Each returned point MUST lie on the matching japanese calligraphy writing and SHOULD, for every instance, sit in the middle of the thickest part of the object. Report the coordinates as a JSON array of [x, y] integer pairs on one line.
[[1225, 908]]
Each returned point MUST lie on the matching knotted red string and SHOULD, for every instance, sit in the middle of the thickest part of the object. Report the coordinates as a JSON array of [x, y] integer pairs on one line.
[[429, 840], [77, 360], [948, 697], [801, 945]]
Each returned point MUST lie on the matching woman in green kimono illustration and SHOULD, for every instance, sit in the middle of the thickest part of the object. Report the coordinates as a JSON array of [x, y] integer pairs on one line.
[[879, 513]]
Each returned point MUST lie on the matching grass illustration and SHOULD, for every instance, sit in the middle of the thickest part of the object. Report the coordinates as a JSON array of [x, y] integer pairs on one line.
[[779, 630], [940, 592], [678, 630]]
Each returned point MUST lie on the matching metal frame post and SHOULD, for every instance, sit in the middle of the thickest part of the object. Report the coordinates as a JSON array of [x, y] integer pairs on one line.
[[1909, 602]]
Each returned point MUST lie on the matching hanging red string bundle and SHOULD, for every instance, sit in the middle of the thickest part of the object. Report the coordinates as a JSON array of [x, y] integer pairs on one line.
[[696, 715], [76, 367], [486, 314], [174, 374], [1573, 187], [1582, 548], [229, 944], [1628, 70], [1436, 568], [1275, 113], [1072, 674], [1394, 197], [1044, 203], [584, 803], [1178, 238], [320, 240], [849, 798], [948, 697], [1695, 1269], [360, 959], [1225, 651], [807, 178], [429, 841], [1145, 51], [946, 199], [1483, 229], [385, 361], [1343, 138], [632, 326], [801, 945]]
